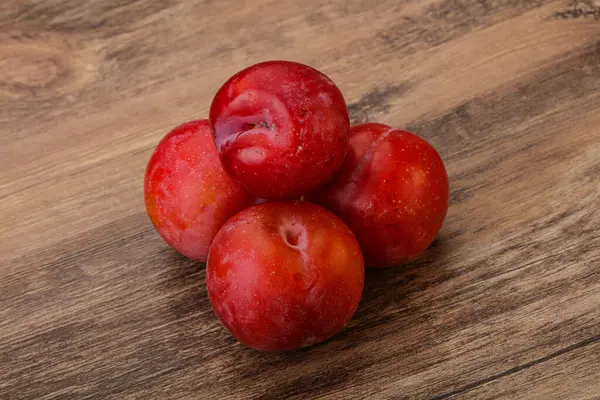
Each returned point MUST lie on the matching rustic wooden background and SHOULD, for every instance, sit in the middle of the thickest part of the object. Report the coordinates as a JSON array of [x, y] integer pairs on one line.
[[506, 303]]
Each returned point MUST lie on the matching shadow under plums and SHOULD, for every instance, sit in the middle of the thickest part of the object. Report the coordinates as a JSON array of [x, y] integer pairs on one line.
[[392, 303], [388, 295], [184, 281], [389, 289], [386, 298]]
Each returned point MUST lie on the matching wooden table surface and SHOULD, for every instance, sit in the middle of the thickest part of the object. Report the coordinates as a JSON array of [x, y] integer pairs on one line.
[[506, 302]]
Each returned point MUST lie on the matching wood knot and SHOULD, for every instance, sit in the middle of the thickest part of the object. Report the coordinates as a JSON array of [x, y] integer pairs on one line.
[[29, 70], [42, 65]]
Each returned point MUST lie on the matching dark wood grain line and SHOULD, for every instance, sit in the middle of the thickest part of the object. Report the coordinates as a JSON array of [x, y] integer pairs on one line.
[[100, 17], [570, 376], [517, 369], [446, 20], [466, 128], [374, 103]]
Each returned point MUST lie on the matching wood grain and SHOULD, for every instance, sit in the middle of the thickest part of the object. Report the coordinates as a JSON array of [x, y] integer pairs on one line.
[[506, 302]]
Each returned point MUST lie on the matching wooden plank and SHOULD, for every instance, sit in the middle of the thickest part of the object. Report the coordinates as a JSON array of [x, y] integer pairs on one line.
[[506, 302]]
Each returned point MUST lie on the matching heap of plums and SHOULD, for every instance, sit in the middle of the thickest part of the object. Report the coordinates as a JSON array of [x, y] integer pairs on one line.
[[286, 203]]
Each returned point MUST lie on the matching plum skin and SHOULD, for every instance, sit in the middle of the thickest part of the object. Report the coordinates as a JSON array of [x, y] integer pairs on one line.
[[284, 275], [281, 128], [392, 191], [187, 193]]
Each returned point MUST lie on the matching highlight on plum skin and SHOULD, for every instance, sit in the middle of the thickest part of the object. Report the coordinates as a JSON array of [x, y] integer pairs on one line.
[[284, 275], [392, 191], [281, 128], [187, 193]]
